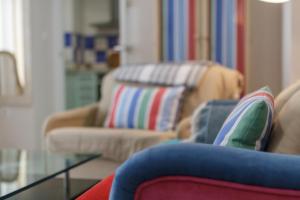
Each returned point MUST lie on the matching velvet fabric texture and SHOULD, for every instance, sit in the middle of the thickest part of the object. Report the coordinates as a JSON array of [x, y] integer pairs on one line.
[[181, 188], [227, 164]]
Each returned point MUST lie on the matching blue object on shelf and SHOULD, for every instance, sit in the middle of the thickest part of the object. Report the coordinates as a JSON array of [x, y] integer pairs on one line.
[[68, 39], [89, 42], [100, 56], [112, 41]]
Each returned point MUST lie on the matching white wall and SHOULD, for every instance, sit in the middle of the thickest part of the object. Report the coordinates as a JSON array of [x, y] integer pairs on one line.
[[69, 20], [21, 126], [291, 39], [295, 47], [140, 36], [80, 14], [94, 11], [264, 46], [17, 127]]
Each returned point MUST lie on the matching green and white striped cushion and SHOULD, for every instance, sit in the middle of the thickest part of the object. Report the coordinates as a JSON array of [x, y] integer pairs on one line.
[[249, 124]]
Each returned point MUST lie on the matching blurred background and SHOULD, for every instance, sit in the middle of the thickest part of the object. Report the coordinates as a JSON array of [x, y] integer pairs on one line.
[[59, 51]]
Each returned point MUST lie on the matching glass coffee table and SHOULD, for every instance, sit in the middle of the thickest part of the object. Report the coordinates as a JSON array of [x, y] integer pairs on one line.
[[22, 170]]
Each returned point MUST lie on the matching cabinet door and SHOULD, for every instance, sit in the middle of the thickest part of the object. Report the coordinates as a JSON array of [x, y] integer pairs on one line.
[[81, 89], [140, 35]]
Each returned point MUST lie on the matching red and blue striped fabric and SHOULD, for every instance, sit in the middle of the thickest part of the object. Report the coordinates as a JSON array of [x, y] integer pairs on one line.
[[249, 124], [144, 108], [185, 31], [176, 30], [228, 33]]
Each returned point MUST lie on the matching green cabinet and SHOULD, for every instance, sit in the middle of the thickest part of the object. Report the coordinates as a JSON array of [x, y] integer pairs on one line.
[[82, 88]]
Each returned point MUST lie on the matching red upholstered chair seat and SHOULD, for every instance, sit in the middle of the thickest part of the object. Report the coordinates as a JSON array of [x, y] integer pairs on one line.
[[191, 188], [179, 188]]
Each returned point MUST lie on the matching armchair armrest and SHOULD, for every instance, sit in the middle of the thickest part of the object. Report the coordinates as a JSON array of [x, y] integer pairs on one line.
[[238, 166], [84, 116], [183, 129]]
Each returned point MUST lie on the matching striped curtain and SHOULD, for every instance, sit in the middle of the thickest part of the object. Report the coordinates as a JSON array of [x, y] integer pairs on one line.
[[204, 29], [182, 32], [228, 32], [174, 23]]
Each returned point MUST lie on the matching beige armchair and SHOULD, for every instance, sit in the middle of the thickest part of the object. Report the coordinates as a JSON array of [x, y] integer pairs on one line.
[[80, 117], [81, 130]]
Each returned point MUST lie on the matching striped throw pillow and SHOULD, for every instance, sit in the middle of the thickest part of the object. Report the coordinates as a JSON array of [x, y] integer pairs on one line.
[[144, 108], [248, 126]]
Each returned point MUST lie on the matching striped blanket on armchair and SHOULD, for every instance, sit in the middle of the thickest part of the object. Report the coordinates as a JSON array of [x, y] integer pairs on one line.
[[168, 74]]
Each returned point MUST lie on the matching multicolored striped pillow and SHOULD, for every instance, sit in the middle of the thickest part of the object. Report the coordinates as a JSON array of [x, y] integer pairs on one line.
[[144, 108], [248, 126]]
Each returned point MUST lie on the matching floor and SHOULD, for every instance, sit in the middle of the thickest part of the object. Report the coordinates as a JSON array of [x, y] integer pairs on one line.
[[95, 169], [54, 190]]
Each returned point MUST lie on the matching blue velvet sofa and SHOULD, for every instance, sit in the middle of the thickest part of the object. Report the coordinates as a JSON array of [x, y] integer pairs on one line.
[[195, 170], [200, 171]]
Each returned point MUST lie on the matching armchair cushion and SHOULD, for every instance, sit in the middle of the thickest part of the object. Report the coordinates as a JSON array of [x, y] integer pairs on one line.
[[79, 117], [183, 128], [285, 136], [153, 108], [208, 119], [283, 98], [114, 144]]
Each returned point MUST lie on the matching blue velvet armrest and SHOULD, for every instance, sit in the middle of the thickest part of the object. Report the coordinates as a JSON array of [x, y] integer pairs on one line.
[[207, 161]]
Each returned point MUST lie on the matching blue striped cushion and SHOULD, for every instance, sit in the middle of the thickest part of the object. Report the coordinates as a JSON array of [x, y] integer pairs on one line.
[[153, 108], [248, 125]]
